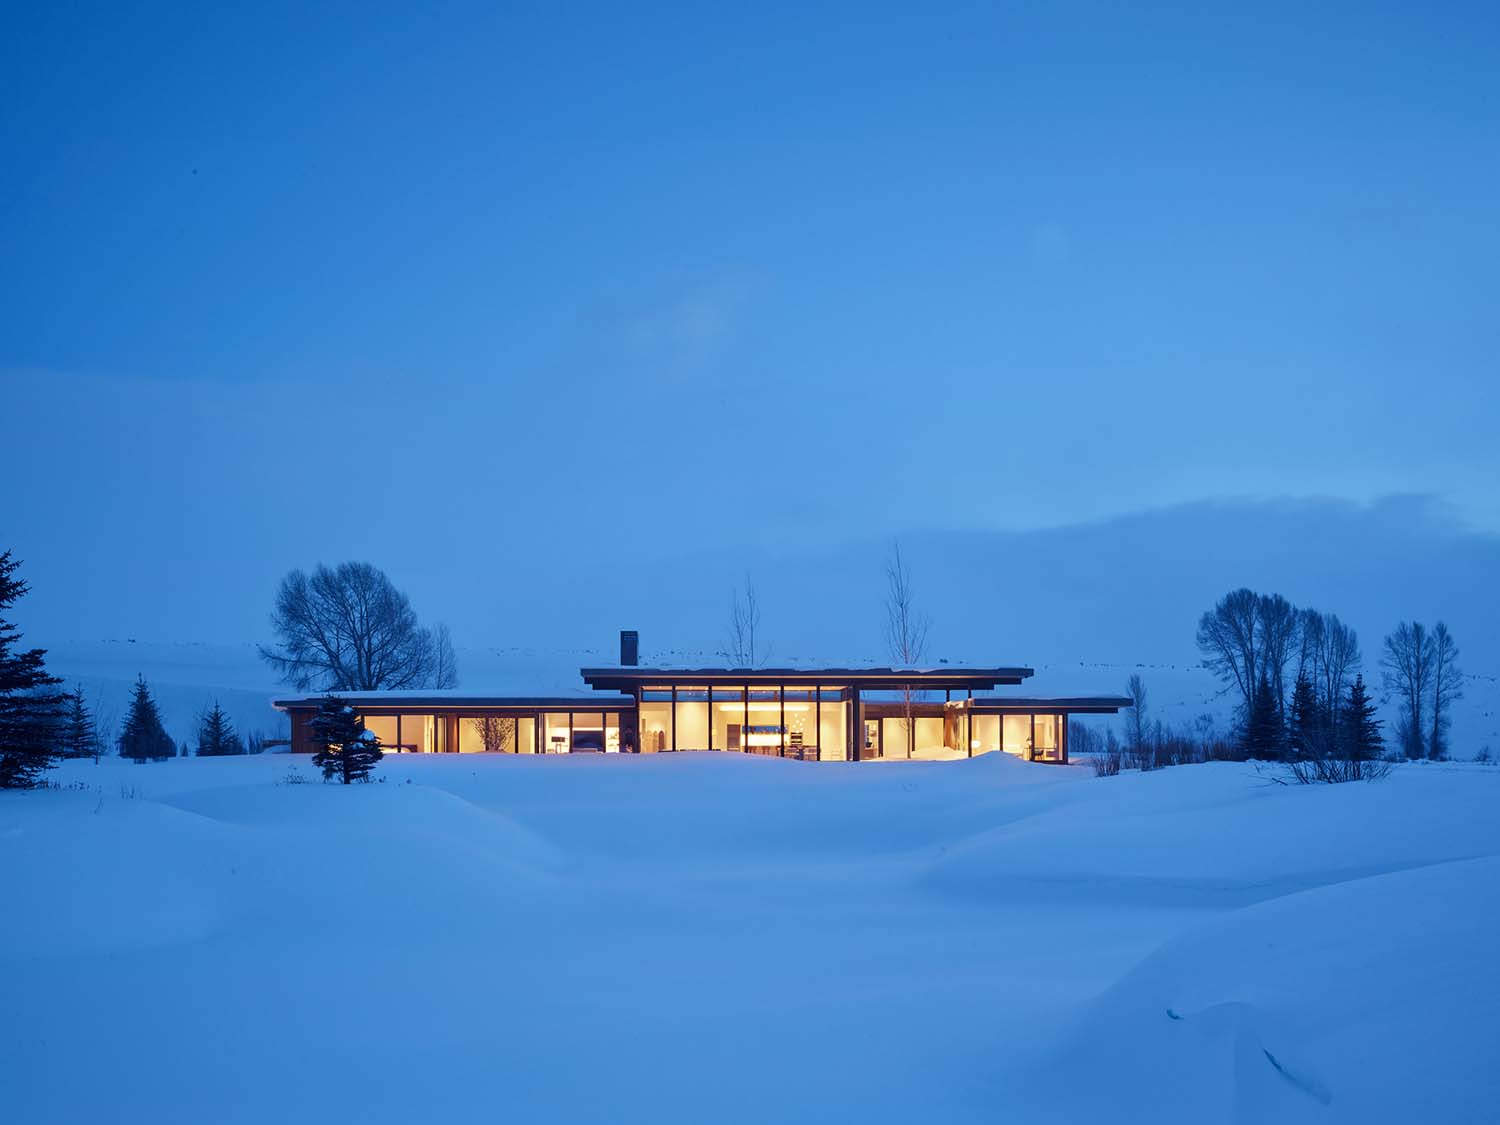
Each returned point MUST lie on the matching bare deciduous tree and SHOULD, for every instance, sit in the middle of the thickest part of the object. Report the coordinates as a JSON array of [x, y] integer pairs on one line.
[[1407, 664], [1446, 688], [1278, 621], [497, 733], [1228, 638], [1136, 724], [347, 628], [1338, 657], [743, 649], [1136, 727], [905, 631]]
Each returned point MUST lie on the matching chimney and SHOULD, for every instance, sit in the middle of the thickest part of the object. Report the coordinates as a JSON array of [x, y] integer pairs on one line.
[[630, 648]]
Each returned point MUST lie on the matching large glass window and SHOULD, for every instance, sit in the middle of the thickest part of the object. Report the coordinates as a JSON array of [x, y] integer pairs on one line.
[[986, 733], [555, 733], [763, 731], [1046, 745], [1017, 735], [612, 732], [487, 734], [526, 734], [655, 720], [893, 737], [801, 722], [588, 732], [382, 727], [729, 718], [929, 735], [692, 718], [417, 734], [832, 731]]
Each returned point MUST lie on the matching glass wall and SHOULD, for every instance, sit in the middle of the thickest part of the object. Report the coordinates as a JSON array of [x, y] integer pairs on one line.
[[526, 735], [729, 718], [588, 732], [1016, 735], [692, 718], [763, 734], [655, 722], [893, 737], [382, 727], [1046, 745], [986, 733], [833, 731], [612, 732], [555, 733], [488, 734], [929, 734], [801, 732]]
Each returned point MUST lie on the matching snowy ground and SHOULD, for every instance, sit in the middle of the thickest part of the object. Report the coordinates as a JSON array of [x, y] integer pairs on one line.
[[718, 938]]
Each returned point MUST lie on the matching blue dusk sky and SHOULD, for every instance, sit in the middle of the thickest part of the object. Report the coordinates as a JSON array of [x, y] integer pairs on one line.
[[491, 294]]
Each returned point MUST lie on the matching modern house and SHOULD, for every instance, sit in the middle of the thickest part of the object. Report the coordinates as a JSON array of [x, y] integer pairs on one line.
[[813, 714]]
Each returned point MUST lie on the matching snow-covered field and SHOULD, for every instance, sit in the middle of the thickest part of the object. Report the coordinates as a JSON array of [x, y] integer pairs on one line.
[[712, 938]]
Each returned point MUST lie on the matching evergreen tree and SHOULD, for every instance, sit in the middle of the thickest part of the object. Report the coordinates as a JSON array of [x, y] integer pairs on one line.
[[1263, 736], [29, 710], [1360, 733], [78, 733], [345, 748], [216, 736], [143, 738], [1310, 736]]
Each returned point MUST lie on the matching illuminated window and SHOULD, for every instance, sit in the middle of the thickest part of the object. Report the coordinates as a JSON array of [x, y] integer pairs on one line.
[[692, 718], [655, 723], [555, 733]]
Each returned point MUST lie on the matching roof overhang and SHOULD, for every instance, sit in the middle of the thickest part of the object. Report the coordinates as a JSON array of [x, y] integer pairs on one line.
[[1069, 704], [630, 679], [426, 702]]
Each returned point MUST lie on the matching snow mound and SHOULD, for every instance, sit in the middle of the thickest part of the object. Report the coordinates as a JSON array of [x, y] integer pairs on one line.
[[1365, 1001]]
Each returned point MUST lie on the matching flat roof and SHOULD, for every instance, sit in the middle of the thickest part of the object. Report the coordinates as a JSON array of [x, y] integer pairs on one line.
[[459, 701], [1073, 704], [627, 677]]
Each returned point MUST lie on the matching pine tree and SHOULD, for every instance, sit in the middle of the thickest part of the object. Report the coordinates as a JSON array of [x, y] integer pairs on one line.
[[143, 738], [216, 736], [1361, 729], [1263, 735], [78, 733], [345, 748], [1310, 736], [29, 709]]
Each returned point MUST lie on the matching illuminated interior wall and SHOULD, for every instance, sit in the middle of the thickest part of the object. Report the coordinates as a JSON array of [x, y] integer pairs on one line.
[[612, 732], [383, 727], [893, 737], [729, 719], [986, 733], [555, 733], [655, 723], [417, 734], [526, 735], [1046, 736], [833, 733], [929, 732], [1016, 731], [692, 719]]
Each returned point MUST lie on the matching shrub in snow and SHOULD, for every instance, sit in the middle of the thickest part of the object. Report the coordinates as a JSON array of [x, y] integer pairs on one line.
[[346, 750]]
